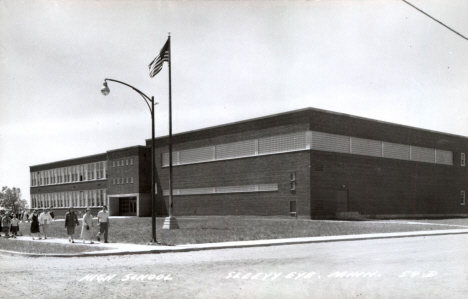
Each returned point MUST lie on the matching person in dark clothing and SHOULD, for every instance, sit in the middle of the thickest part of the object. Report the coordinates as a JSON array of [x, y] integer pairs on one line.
[[71, 220], [51, 213], [6, 222], [34, 224]]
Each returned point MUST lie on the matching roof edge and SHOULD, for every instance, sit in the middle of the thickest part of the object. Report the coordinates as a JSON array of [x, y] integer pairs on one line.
[[308, 109]]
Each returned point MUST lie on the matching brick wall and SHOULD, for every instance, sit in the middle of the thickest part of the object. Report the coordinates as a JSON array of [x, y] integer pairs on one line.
[[247, 171], [379, 186], [126, 170], [386, 186]]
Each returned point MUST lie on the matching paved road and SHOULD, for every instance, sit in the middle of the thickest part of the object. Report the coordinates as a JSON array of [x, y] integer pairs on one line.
[[418, 267]]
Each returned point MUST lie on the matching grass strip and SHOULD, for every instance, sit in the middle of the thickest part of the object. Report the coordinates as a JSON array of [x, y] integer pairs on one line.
[[45, 248], [213, 229]]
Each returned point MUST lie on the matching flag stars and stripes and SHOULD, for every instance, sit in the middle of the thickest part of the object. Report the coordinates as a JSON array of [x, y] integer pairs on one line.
[[156, 65]]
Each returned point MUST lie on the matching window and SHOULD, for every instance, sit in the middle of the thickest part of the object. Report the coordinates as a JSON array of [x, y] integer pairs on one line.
[[292, 208], [98, 170], [113, 181], [126, 180], [126, 162], [462, 197], [131, 180], [113, 163], [293, 181], [462, 161], [118, 181], [122, 164], [131, 161], [118, 163]]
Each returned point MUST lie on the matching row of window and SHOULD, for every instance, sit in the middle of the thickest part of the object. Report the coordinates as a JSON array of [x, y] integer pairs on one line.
[[123, 162], [224, 189], [70, 174], [310, 140], [122, 181], [85, 198]]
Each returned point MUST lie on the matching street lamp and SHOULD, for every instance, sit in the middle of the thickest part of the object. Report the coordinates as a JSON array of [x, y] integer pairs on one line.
[[150, 102]]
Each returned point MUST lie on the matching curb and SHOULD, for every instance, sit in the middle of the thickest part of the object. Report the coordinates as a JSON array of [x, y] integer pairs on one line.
[[245, 244]]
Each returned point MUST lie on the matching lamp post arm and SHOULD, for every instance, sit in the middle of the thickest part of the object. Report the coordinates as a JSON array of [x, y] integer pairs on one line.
[[144, 96]]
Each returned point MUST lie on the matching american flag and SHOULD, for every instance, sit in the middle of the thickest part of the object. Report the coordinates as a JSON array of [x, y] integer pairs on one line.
[[156, 65]]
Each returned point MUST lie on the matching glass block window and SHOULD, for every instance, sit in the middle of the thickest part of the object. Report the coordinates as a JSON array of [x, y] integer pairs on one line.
[[236, 149], [330, 142], [268, 187], [175, 159], [224, 189], [201, 154], [366, 147], [396, 151], [444, 157], [282, 143], [196, 191], [422, 154], [234, 189]]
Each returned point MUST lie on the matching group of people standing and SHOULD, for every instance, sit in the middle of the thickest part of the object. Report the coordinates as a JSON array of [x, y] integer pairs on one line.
[[88, 226], [9, 222], [44, 220]]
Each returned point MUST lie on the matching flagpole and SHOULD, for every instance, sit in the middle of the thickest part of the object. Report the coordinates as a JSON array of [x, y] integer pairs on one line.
[[170, 222]]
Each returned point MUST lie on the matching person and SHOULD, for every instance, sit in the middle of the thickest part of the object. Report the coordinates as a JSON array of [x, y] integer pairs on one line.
[[34, 224], [103, 222], [1, 227], [14, 226], [87, 227], [6, 221], [24, 216], [45, 220], [52, 213], [71, 220]]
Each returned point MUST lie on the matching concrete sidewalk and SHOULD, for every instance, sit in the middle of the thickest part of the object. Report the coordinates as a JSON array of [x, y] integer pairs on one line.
[[124, 249]]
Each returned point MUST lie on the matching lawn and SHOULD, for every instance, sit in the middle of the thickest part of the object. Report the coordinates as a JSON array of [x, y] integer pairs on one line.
[[212, 229], [44, 248]]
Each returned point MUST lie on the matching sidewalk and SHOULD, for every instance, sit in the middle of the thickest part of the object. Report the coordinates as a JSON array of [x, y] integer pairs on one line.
[[124, 249]]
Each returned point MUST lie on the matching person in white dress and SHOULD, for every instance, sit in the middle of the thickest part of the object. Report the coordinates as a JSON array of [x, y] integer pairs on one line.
[[87, 229], [45, 220]]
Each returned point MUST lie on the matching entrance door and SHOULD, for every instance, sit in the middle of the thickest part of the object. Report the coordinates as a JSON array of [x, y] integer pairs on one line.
[[341, 201], [127, 206]]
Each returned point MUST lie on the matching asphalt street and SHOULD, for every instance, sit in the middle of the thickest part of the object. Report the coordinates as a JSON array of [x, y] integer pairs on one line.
[[417, 267]]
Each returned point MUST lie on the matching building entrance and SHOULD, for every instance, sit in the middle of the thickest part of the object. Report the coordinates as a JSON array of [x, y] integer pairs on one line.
[[127, 206], [342, 201]]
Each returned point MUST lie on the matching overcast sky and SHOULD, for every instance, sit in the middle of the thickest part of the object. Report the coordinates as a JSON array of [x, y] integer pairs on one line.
[[231, 61]]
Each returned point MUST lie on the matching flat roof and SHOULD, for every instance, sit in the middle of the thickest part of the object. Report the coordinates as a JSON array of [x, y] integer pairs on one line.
[[304, 110], [66, 160], [90, 156], [124, 148]]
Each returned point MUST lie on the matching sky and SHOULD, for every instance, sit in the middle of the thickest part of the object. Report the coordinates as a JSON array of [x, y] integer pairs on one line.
[[231, 61]]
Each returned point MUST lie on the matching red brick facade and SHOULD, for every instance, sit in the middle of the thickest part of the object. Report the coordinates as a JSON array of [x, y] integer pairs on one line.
[[318, 183]]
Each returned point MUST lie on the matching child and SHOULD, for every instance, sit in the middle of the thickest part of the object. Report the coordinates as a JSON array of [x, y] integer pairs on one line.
[[14, 226], [6, 225]]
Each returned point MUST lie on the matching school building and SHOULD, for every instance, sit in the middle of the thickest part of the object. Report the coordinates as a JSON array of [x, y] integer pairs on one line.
[[308, 163]]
